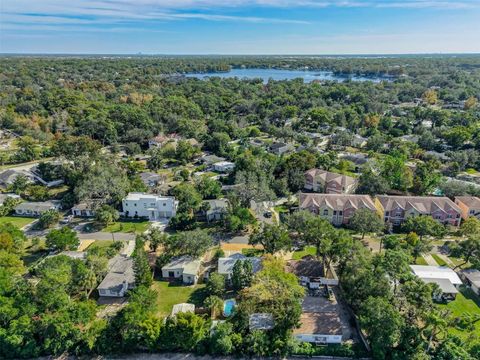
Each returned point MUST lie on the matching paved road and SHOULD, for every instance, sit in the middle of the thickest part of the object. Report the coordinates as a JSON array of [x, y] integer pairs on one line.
[[100, 235]]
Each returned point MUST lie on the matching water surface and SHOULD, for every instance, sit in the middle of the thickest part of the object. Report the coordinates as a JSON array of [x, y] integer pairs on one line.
[[282, 74]]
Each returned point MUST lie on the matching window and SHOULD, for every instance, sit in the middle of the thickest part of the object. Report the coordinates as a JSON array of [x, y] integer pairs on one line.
[[164, 204], [340, 213], [334, 212], [325, 212], [387, 213], [135, 204]]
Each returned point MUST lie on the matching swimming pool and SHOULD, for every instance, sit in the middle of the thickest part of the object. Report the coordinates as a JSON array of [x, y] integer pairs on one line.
[[228, 307]]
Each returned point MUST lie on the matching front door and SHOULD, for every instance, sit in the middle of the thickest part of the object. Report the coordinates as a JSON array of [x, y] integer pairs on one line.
[[171, 274]]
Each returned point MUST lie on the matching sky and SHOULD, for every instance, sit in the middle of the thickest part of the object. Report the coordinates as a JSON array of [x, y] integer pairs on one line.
[[239, 26]]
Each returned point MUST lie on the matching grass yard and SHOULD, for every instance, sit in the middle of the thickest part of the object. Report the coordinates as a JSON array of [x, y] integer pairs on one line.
[[307, 250], [439, 260], [16, 220], [136, 227], [171, 294], [421, 261], [466, 303], [100, 244]]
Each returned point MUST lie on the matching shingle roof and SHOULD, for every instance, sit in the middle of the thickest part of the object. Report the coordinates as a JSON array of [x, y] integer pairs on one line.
[[225, 264], [473, 275], [307, 267], [336, 201], [120, 272], [261, 321], [327, 176], [38, 206], [423, 204], [470, 201]]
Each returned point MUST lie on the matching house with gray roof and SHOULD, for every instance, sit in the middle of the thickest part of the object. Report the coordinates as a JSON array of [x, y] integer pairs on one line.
[[36, 209], [120, 277], [7, 177], [226, 264], [472, 279], [150, 179], [217, 209], [183, 267], [261, 321]]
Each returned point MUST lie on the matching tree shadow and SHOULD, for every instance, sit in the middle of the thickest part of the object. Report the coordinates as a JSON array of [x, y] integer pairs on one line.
[[198, 296]]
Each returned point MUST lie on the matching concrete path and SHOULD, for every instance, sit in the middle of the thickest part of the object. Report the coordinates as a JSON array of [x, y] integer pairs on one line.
[[430, 260]]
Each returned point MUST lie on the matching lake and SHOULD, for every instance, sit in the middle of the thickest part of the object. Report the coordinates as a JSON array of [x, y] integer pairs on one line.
[[282, 74]]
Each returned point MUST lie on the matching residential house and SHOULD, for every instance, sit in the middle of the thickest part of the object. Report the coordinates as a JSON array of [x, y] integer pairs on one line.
[[217, 209], [7, 177], [409, 138], [358, 159], [119, 279], [209, 160], [161, 140], [223, 166], [150, 179], [36, 209], [396, 209], [280, 148], [472, 279], [446, 279], [84, 210], [4, 197], [226, 264], [336, 208], [153, 207], [310, 272], [182, 267], [359, 141], [469, 205], [261, 321], [328, 182], [319, 328]]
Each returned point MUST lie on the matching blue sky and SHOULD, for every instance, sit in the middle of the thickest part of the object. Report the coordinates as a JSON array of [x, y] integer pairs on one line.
[[239, 26]]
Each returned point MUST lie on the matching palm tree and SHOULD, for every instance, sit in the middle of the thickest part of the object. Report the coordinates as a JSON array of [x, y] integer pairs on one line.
[[215, 304]]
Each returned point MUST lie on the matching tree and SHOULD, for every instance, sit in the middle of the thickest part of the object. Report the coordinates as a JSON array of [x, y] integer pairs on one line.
[[395, 172], [242, 274], [418, 246], [383, 324], [215, 304], [470, 227], [468, 250], [8, 205], [216, 284], [155, 238], [223, 340], [430, 97], [426, 177], [366, 221], [208, 187], [193, 243], [106, 215], [19, 184], [276, 292], [49, 218], [62, 239], [273, 238], [141, 267], [183, 332], [423, 225]]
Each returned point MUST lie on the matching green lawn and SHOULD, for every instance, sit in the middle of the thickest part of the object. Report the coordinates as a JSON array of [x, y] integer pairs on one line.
[[439, 260], [307, 250], [171, 294], [466, 303], [16, 220], [137, 227], [421, 261], [100, 244]]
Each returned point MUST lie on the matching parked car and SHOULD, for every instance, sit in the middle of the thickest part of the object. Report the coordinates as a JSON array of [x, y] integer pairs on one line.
[[66, 219], [267, 214]]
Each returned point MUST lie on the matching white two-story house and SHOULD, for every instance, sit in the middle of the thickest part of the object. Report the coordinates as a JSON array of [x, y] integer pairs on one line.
[[153, 207]]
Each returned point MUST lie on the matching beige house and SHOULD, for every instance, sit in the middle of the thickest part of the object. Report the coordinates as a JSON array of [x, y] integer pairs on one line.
[[328, 182], [336, 208], [469, 205]]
